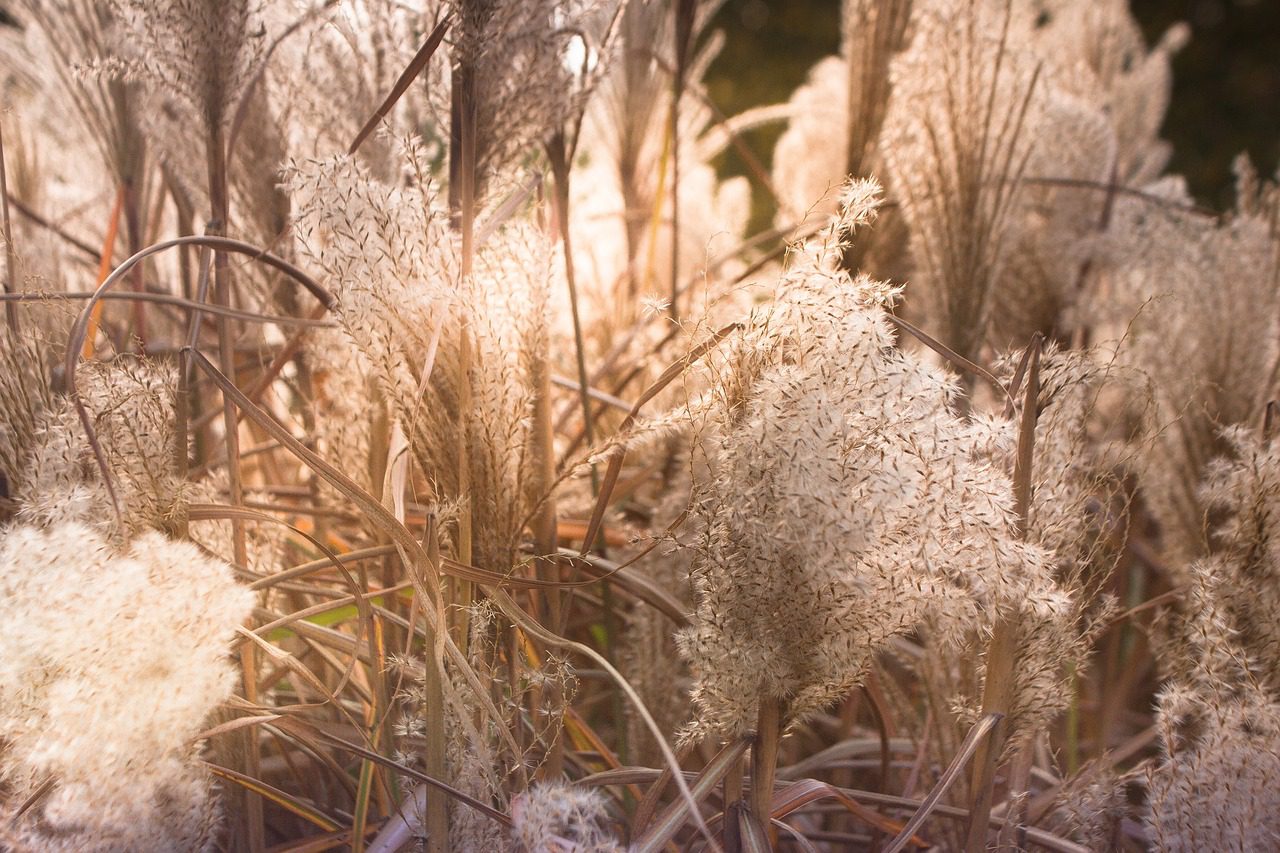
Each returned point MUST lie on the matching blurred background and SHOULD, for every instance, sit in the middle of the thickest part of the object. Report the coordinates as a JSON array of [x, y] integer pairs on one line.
[[1226, 96]]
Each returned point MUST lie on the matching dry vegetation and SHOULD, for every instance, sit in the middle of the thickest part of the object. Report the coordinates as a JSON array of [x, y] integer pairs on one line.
[[404, 447]]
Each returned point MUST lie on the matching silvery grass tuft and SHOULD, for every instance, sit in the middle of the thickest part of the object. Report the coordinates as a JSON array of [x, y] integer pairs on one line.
[[845, 503], [195, 59], [130, 402], [622, 200], [92, 705], [1218, 723], [999, 127], [394, 264], [1163, 253], [558, 817], [1219, 715]]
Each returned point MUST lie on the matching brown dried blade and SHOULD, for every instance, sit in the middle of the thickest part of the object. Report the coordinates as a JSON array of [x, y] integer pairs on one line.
[[410, 73], [983, 728]]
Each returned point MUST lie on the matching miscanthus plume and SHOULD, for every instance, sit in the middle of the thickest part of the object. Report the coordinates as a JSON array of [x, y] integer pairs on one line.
[[553, 817], [845, 503], [1163, 253], [405, 307], [1214, 786], [998, 127], [103, 703], [58, 478], [1218, 716]]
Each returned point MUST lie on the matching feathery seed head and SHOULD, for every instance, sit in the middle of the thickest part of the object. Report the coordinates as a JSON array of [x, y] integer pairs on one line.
[[846, 504], [557, 818], [105, 699]]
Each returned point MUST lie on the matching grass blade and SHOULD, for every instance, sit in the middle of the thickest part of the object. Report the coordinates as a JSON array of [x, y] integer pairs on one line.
[[410, 73]]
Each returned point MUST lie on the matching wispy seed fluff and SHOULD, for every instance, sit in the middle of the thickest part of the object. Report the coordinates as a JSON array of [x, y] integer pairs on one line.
[[1246, 487], [395, 267], [557, 818], [955, 175], [194, 60], [104, 693], [1217, 784], [845, 503], [514, 59], [130, 405], [1210, 286], [1079, 500]]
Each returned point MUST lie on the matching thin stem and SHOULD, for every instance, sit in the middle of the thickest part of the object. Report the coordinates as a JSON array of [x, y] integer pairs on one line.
[[437, 816], [10, 257], [559, 155], [462, 203], [217, 226], [685, 14], [1002, 654]]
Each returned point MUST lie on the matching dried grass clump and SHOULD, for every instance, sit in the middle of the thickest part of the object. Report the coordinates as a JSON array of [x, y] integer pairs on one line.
[[1004, 130], [1084, 444], [1092, 808], [25, 398], [622, 205], [1215, 786], [1219, 716], [1246, 487], [408, 311], [960, 130], [837, 116], [525, 69], [93, 707], [195, 60]]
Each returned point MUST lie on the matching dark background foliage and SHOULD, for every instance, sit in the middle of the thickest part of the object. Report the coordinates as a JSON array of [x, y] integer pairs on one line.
[[1226, 96]]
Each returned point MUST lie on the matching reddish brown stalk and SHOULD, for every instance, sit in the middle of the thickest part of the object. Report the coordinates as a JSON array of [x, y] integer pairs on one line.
[[104, 269], [415, 67]]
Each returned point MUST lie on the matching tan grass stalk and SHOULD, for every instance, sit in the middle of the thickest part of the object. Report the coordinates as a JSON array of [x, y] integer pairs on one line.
[[10, 256], [463, 185], [764, 757], [437, 808], [685, 12], [1002, 653]]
